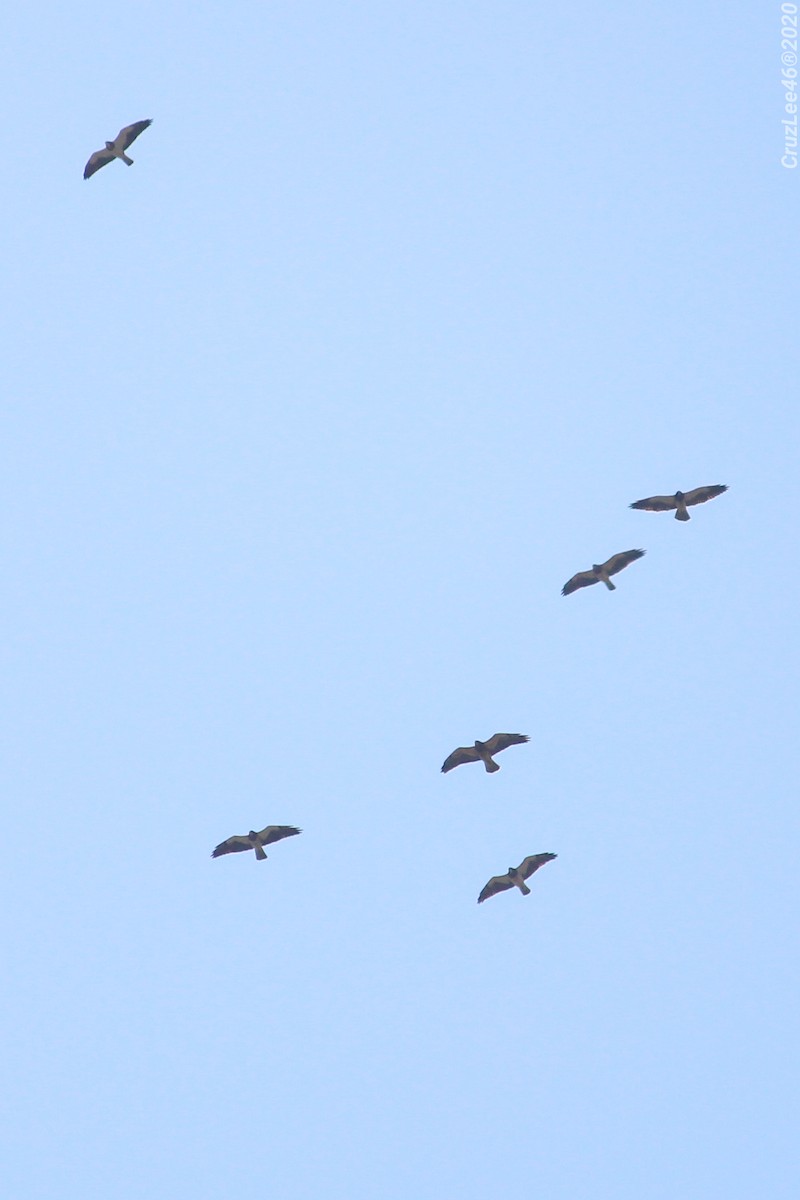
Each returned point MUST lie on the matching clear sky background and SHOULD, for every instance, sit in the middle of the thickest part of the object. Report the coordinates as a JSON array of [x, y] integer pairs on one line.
[[306, 419]]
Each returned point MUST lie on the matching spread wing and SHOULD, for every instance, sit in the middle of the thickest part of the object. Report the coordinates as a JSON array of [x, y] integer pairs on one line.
[[130, 133], [232, 846], [274, 833], [656, 504], [98, 160], [619, 561], [498, 883], [501, 741], [533, 862], [701, 494], [464, 754], [582, 579]]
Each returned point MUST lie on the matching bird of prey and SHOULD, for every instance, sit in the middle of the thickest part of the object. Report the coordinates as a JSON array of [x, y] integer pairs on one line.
[[254, 840], [602, 571], [681, 500], [516, 876], [115, 149], [483, 751]]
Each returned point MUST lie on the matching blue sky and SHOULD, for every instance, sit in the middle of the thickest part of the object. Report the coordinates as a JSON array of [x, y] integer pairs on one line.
[[307, 418]]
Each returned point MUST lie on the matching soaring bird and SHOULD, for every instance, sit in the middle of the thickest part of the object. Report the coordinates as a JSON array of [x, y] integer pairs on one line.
[[681, 500], [254, 840], [116, 149], [602, 571], [516, 876], [483, 751]]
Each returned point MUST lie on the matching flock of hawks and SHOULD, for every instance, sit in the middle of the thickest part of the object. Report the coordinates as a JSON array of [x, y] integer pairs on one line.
[[483, 752]]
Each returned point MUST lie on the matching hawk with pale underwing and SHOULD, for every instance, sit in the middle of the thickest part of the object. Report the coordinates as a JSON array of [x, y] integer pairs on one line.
[[115, 149], [681, 501], [516, 876]]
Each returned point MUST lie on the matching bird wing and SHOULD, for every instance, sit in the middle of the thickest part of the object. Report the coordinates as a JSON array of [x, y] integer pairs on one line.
[[582, 579], [618, 562], [98, 160], [464, 754], [130, 133], [701, 494], [274, 833], [501, 741], [498, 883], [656, 504], [533, 862], [233, 845]]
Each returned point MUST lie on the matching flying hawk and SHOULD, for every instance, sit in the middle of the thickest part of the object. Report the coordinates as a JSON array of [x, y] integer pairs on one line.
[[115, 149], [516, 876], [254, 840], [483, 751], [602, 571], [681, 500]]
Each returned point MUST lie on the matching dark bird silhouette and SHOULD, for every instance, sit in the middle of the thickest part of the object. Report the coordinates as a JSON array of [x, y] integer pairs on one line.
[[483, 751], [601, 571], [681, 500], [115, 149], [254, 840], [516, 876]]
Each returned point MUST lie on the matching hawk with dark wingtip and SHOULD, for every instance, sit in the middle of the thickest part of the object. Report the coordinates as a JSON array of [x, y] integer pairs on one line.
[[516, 876], [681, 500], [601, 571], [115, 149], [483, 751], [255, 840]]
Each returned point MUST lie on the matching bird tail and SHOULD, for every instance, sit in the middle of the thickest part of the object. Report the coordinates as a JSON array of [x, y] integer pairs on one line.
[[491, 765], [682, 514], [259, 852], [612, 587], [523, 887], [127, 160]]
